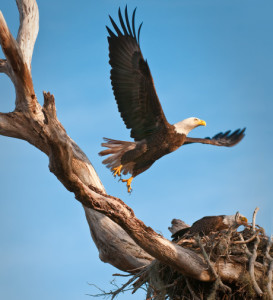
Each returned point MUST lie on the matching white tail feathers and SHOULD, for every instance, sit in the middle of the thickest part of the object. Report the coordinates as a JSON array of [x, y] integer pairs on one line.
[[117, 149]]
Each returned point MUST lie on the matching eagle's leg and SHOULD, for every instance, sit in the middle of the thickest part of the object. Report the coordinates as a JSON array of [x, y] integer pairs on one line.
[[117, 170], [128, 183]]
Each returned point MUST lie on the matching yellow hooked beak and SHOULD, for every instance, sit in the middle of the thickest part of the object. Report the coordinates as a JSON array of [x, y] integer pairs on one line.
[[244, 220], [202, 122]]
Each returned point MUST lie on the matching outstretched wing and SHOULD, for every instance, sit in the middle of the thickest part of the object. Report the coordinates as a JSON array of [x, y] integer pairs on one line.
[[227, 138], [132, 81]]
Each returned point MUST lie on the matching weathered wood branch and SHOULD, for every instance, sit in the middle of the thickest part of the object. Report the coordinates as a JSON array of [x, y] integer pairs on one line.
[[3, 66], [29, 27], [254, 219], [18, 70], [270, 269], [13, 125], [252, 258], [122, 240]]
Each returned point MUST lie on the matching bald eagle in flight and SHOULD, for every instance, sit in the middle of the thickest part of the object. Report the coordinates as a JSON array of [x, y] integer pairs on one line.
[[141, 111], [211, 224]]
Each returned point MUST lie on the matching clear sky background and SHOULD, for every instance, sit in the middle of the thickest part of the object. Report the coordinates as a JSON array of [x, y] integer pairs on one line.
[[209, 59]]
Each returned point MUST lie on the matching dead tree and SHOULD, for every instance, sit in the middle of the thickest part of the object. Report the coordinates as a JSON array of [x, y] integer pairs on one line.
[[122, 240]]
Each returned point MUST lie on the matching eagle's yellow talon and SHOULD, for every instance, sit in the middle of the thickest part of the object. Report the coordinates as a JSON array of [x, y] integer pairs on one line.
[[117, 170], [129, 189]]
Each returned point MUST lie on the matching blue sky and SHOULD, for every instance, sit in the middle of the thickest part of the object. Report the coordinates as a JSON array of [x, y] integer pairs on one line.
[[209, 59]]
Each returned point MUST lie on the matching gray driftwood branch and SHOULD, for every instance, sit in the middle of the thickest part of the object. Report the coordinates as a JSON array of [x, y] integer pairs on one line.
[[122, 240]]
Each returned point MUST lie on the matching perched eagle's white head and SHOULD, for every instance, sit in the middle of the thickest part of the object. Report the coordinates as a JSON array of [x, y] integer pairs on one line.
[[235, 220], [185, 126]]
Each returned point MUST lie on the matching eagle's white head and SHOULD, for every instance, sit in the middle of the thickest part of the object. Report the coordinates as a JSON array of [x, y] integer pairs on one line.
[[185, 126], [235, 220]]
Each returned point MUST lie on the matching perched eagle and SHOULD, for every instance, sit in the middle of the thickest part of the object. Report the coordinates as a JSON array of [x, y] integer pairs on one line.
[[141, 110], [211, 224]]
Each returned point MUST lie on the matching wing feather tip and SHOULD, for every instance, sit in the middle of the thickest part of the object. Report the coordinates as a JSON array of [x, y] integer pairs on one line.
[[122, 22], [115, 26], [127, 21], [128, 29], [133, 23], [138, 33], [111, 33]]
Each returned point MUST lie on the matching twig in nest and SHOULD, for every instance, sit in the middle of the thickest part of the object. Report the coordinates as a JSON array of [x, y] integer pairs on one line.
[[194, 297], [244, 246], [254, 218], [186, 241], [247, 241], [270, 269], [126, 284], [122, 275], [141, 280], [230, 232], [252, 258], [144, 276], [218, 281], [119, 290]]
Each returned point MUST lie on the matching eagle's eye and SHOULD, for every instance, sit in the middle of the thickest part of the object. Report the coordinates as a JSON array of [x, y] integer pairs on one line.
[[195, 119]]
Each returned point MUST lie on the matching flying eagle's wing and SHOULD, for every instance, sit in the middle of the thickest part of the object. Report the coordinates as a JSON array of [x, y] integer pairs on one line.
[[132, 81], [227, 138]]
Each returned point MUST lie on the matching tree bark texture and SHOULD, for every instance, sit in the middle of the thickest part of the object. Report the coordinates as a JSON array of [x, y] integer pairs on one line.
[[122, 240]]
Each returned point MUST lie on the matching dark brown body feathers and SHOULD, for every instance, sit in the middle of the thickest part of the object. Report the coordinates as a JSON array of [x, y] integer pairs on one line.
[[150, 150], [203, 227], [140, 156]]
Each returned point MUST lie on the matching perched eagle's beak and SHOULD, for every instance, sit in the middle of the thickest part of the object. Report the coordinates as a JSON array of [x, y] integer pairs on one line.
[[202, 122], [244, 220]]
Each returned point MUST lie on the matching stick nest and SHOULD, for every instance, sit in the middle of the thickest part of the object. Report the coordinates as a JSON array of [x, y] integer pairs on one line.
[[162, 282], [250, 248]]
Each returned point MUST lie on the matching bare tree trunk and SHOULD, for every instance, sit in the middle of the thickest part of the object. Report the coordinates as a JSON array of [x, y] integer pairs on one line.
[[122, 240]]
